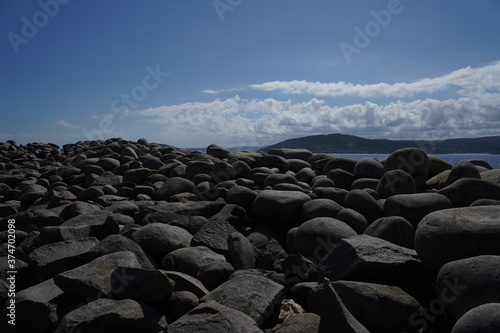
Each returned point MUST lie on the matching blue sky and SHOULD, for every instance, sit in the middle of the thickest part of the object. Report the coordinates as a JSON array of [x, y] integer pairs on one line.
[[248, 72]]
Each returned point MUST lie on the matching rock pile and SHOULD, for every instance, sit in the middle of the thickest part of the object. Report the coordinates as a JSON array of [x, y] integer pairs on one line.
[[115, 236]]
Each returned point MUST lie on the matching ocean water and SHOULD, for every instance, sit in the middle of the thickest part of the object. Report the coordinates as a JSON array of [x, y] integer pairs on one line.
[[493, 159]]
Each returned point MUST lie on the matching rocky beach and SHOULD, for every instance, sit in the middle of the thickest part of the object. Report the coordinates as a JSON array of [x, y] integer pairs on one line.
[[130, 236]]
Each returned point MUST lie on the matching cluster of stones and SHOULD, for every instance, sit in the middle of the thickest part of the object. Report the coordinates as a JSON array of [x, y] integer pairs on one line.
[[118, 236]]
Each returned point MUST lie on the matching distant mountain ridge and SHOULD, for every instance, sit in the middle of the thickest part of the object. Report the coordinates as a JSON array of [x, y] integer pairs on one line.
[[350, 144]]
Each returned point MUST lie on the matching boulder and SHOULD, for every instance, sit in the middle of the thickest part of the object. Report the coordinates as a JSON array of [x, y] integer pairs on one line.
[[335, 314], [368, 259], [395, 182], [241, 196], [465, 191], [300, 323], [316, 237], [414, 207], [147, 285], [190, 260], [353, 219], [52, 259], [173, 186], [482, 319], [289, 153], [215, 273], [218, 151], [184, 282], [241, 252], [346, 164], [181, 302], [107, 315], [320, 208], [458, 233], [365, 204], [437, 165], [160, 239], [414, 161], [463, 169], [467, 283], [93, 280], [380, 308], [253, 295], [117, 243], [213, 317], [394, 229], [342, 179], [279, 178], [281, 206], [368, 168]]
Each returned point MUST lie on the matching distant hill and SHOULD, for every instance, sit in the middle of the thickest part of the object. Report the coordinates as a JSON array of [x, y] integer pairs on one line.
[[350, 144]]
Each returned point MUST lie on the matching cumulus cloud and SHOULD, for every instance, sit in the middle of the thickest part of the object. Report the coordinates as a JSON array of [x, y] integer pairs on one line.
[[468, 81], [210, 92], [67, 124]]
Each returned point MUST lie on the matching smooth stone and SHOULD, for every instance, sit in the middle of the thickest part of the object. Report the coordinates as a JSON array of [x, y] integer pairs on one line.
[[465, 191], [214, 274], [217, 151], [146, 285], [161, 239], [241, 252], [181, 302], [190, 260], [290, 153], [314, 238], [281, 206], [414, 207], [300, 323], [365, 204], [342, 179], [353, 219], [137, 176], [463, 169], [368, 168], [185, 282], [346, 164], [394, 229], [364, 183], [173, 186], [468, 283], [482, 319], [414, 161], [320, 208], [458, 233], [396, 182], [437, 165]]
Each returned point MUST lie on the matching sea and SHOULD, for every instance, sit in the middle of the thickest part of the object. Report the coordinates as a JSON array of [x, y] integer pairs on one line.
[[492, 159]]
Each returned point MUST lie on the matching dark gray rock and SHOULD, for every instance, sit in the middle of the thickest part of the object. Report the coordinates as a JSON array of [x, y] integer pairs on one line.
[[213, 317], [300, 323], [218, 151], [341, 178], [467, 283], [279, 178], [396, 182], [465, 191], [458, 233], [343, 163], [368, 168], [320, 208], [90, 194], [77, 208], [190, 260], [492, 176], [336, 194], [272, 256], [241, 196], [365, 183], [314, 238], [198, 208], [485, 202], [296, 165], [117, 243], [160, 239], [253, 295], [380, 308], [52, 259], [305, 175], [482, 319], [214, 233], [335, 314], [394, 229], [107, 315], [181, 302], [31, 193], [214, 274], [184, 282], [289, 153], [93, 280], [173, 186], [108, 164], [414, 161], [369, 259], [463, 169], [365, 204], [414, 207], [282, 206], [196, 167], [241, 252], [353, 219], [141, 284], [137, 176], [45, 303], [437, 165]]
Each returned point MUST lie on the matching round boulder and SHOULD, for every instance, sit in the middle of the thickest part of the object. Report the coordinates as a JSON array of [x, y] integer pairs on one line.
[[281, 206], [483, 319], [414, 161]]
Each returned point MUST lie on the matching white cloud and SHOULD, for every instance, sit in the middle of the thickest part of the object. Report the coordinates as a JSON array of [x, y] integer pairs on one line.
[[67, 124], [468, 80], [210, 92]]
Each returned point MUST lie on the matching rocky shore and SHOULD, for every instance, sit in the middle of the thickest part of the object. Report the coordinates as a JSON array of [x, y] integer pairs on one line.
[[121, 236]]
